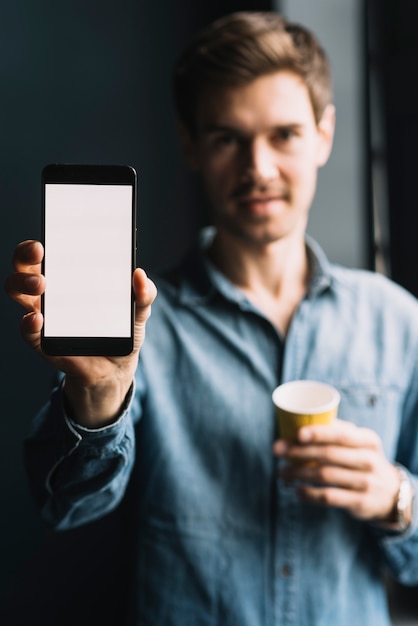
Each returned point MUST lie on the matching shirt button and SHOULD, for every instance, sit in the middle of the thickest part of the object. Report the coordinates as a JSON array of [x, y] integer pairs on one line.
[[286, 571], [372, 400]]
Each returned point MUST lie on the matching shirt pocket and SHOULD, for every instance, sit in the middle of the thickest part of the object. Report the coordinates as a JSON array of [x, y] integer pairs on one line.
[[377, 407]]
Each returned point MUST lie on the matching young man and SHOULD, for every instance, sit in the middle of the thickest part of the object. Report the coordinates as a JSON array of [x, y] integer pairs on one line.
[[227, 531]]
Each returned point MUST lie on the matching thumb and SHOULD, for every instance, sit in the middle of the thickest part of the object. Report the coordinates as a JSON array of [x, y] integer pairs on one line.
[[145, 294]]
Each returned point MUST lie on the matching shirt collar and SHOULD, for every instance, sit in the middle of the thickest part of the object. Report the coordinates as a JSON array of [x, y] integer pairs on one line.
[[199, 281], [320, 268]]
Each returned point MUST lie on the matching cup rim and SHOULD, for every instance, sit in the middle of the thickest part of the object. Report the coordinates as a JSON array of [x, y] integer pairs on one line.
[[322, 408]]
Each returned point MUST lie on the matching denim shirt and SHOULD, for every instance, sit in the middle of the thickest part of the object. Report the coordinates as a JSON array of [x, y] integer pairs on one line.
[[220, 540]]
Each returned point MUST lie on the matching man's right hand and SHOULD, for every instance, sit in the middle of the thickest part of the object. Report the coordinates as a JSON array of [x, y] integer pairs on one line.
[[95, 387]]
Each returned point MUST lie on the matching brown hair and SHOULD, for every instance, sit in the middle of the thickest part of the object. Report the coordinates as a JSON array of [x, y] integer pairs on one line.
[[242, 46]]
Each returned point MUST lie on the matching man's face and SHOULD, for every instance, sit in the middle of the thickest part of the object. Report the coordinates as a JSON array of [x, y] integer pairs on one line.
[[258, 149]]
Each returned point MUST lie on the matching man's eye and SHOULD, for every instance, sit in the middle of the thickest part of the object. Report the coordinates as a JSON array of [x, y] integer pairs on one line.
[[284, 134], [225, 140]]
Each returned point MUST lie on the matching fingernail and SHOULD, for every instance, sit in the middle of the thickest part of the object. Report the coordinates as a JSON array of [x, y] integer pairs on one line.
[[305, 434], [31, 282], [280, 447]]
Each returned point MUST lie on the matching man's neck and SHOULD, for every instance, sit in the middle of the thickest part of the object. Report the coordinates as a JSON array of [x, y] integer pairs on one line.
[[274, 277]]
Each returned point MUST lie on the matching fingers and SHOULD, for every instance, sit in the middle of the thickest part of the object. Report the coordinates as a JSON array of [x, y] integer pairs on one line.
[[30, 327], [321, 474], [21, 284], [26, 284], [340, 433], [340, 465], [351, 501], [342, 443], [326, 454], [145, 293], [144, 288], [28, 256], [365, 495]]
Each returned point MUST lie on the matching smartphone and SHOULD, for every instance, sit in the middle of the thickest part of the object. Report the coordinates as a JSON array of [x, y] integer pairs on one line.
[[89, 235]]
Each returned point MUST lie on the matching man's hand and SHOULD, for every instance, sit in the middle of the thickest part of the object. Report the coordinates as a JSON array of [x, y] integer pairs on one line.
[[344, 466], [95, 387]]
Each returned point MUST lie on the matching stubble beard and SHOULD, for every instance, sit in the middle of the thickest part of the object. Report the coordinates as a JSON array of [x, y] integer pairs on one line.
[[255, 232]]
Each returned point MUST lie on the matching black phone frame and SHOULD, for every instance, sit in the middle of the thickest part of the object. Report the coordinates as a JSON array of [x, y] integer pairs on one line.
[[103, 174]]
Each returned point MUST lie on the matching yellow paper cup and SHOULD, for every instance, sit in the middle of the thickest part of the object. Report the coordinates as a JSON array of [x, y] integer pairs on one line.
[[303, 402]]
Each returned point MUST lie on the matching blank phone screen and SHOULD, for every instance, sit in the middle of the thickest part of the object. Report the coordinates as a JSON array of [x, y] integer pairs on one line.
[[88, 260]]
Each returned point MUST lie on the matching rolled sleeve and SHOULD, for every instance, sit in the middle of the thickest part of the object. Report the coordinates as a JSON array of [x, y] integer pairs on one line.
[[83, 472]]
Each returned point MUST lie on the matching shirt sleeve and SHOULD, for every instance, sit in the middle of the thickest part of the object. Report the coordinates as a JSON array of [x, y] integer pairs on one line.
[[401, 550], [77, 474]]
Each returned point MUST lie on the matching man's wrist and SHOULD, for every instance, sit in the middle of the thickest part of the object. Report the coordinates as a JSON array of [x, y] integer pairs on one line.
[[95, 408], [403, 510]]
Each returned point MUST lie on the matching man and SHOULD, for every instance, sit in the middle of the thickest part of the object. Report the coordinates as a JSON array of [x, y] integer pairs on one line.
[[227, 531]]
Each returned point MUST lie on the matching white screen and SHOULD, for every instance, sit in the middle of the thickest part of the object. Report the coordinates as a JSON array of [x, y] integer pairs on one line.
[[88, 252]]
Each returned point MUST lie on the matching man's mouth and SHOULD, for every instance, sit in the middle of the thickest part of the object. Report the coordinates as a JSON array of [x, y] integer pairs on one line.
[[257, 199], [261, 203], [249, 194], [260, 206]]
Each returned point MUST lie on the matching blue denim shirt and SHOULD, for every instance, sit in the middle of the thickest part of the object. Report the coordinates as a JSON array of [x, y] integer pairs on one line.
[[219, 539]]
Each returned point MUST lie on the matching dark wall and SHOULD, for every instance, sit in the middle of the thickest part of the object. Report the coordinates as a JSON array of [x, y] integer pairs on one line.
[[395, 25], [82, 82]]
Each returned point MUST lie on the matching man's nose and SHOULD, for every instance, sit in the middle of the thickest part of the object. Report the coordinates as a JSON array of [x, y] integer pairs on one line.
[[260, 161]]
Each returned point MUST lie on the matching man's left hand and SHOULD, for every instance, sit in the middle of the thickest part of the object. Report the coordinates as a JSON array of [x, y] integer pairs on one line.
[[341, 465]]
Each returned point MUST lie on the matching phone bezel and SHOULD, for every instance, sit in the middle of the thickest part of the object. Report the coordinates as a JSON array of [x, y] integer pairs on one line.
[[100, 175]]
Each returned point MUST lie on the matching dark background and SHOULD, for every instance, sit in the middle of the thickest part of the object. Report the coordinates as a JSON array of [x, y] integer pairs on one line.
[[396, 25], [89, 81]]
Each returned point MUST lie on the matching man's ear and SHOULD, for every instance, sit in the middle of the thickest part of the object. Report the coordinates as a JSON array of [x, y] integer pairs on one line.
[[326, 128], [187, 144]]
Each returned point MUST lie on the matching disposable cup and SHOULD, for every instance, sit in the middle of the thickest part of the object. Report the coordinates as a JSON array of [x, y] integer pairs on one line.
[[302, 402]]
